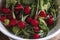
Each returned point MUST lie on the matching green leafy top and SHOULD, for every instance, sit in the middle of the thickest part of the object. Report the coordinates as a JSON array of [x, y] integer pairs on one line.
[[43, 25]]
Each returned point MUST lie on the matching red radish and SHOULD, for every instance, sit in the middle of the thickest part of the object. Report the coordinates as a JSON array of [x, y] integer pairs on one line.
[[36, 36], [13, 22], [36, 29], [21, 24], [18, 7], [29, 19], [50, 21], [27, 10], [9, 17], [6, 10], [34, 22], [43, 14], [50, 16], [2, 18], [1, 9]]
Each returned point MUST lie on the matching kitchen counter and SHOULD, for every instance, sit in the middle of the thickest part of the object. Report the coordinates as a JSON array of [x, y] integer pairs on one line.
[[3, 37]]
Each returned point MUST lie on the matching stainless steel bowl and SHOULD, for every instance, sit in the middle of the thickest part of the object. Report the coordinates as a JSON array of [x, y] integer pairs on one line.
[[51, 34]]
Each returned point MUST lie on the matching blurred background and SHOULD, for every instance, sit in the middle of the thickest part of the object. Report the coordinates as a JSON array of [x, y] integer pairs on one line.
[[3, 37]]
